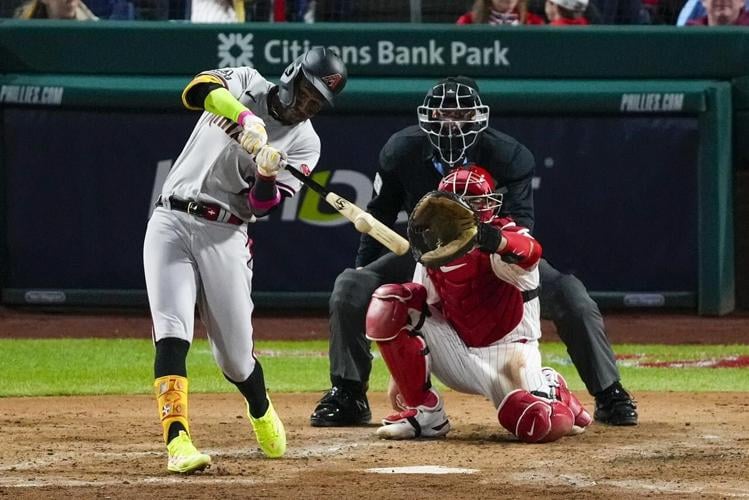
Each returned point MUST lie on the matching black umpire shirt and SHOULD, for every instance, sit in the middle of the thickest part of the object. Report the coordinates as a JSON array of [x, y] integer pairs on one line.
[[410, 168]]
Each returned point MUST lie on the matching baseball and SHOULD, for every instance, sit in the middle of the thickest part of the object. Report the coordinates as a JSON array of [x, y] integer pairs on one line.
[[362, 224]]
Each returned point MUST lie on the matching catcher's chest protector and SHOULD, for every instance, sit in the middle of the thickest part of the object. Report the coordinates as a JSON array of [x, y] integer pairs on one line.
[[481, 307]]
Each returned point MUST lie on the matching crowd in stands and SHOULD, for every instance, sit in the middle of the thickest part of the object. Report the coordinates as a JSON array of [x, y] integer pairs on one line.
[[493, 12]]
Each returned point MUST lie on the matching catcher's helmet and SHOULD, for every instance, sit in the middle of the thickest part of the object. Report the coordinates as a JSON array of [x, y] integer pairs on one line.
[[320, 67], [452, 116], [476, 186]]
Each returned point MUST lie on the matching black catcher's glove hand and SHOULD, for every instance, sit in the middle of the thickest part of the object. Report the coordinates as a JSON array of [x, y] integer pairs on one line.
[[441, 228], [488, 238]]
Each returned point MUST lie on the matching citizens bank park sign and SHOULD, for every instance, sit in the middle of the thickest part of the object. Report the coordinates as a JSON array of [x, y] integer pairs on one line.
[[244, 49]]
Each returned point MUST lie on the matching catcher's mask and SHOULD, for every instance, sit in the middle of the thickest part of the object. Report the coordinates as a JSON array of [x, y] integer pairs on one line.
[[311, 82], [452, 116], [476, 186]]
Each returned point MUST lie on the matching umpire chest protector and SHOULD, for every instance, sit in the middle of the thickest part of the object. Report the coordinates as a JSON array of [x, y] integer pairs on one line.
[[481, 307]]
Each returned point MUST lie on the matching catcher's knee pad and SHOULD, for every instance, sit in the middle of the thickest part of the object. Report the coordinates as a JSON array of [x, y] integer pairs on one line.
[[561, 392], [394, 315], [533, 419], [394, 307], [171, 398]]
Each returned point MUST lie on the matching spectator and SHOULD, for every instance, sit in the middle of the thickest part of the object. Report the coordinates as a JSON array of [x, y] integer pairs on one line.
[[722, 13], [499, 12], [55, 9], [537, 13], [663, 11], [566, 12], [217, 11], [692, 9]]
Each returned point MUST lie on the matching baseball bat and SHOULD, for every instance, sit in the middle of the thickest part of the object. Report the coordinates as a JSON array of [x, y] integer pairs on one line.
[[363, 221]]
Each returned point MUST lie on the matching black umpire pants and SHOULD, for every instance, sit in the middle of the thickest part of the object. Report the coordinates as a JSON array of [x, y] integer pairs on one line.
[[564, 300]]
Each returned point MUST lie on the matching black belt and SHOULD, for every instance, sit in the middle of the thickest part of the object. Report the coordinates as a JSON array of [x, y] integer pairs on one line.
[[529, 295], [204, 210]]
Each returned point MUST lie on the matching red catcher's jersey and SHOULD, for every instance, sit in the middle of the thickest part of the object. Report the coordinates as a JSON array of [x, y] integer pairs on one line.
[[481, 307]]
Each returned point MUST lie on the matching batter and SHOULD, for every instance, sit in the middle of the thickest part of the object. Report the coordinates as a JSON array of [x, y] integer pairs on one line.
[[197, 250]]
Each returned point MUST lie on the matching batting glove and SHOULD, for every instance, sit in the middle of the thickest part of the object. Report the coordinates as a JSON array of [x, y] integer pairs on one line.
[[270, 161], [254, 136]]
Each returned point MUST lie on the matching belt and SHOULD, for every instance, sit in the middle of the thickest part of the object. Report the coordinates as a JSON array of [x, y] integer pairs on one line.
[[198, 209], [529, 295]]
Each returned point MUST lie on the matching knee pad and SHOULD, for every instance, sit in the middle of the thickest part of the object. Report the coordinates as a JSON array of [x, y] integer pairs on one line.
[[533, 419], [395, 307]]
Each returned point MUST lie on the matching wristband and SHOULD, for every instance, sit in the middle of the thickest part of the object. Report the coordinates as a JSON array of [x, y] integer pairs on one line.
[[244, 115]]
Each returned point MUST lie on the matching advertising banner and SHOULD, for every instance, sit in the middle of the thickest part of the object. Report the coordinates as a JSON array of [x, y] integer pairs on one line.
[[615, 198]]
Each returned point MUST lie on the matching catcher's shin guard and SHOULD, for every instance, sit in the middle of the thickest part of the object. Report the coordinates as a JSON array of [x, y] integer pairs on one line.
[[394, 315], [560, 392], [171, 398], [533, 419]]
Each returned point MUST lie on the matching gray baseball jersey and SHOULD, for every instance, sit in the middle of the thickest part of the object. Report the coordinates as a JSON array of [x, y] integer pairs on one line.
[[213, 167], [189, 260]]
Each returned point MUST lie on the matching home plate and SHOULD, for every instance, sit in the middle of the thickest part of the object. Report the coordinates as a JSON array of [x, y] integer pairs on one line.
[[422, 469]]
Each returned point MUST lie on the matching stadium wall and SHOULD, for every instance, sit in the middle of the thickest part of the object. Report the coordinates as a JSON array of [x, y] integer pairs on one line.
[[633, 128]]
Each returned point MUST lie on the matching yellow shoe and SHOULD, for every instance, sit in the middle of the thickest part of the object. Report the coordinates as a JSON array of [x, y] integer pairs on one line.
[[184, 457], [269, 432]]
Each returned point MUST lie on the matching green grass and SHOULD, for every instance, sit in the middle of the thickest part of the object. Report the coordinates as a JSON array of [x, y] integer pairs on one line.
[[125, 366]]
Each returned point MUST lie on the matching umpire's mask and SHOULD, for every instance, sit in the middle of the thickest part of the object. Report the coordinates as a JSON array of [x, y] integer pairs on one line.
[[452, 116]]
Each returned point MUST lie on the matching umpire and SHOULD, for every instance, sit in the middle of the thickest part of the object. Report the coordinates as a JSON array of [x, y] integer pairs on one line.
[[453, 130]]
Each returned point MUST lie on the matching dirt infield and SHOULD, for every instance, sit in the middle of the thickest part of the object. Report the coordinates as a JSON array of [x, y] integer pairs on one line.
[[109, 447], [687, 445]]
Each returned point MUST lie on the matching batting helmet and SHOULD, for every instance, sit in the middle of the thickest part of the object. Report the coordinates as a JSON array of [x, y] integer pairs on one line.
[[320, 67], [452, 116], [476, 186]]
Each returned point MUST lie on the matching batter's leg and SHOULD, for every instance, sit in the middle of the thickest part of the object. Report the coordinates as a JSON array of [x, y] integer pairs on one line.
[[226, 308], [171, 282], [579, 323]]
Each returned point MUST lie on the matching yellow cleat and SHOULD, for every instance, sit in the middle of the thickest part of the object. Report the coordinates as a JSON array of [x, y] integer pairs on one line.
[[269, 432], [184, 458]]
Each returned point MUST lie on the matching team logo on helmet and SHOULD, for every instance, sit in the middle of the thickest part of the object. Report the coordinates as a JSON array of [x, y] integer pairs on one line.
[[332, 81]]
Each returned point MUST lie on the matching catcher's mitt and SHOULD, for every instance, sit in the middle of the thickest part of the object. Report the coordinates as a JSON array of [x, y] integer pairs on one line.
[[441, 228]]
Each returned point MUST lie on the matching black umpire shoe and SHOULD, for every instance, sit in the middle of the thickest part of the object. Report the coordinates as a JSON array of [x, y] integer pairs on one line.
[[614, 406], [340, 407]]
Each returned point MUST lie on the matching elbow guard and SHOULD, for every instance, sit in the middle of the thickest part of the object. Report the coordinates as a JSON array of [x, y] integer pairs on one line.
[[196, 92]]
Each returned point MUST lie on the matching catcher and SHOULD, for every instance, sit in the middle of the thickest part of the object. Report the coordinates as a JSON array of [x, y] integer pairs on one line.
[[471, 317]]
